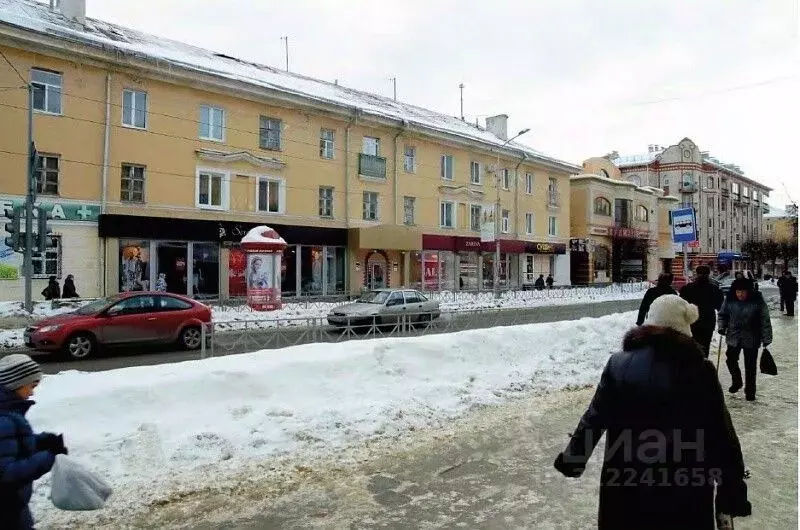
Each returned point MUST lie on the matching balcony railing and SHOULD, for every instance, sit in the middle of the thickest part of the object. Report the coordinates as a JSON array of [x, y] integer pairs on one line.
[[371, 166]]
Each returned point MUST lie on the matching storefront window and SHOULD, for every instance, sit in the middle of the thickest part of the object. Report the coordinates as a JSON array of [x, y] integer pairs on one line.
[[447, 270], [134, 265], [289, 272], [430, 271], [172, 268], [468, 271], [311, 259], [205, 270], [488, 270], [336, 267]]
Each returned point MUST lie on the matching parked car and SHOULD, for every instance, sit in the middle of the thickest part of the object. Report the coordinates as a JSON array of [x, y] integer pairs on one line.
[[121, 320], [385, 306]]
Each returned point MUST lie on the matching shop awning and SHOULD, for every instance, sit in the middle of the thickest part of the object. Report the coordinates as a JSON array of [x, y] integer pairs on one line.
[[386, 237]]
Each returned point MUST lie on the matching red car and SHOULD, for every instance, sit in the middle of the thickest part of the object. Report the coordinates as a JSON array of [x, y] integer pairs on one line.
[[119, 320]]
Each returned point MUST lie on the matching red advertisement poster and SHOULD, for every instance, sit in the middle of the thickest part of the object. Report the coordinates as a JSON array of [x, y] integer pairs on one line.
[[264, 299], [430, 271], [237, 279]]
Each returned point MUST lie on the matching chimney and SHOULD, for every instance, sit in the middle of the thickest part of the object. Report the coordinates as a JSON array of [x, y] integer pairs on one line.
[[72, 9], [498, 126]]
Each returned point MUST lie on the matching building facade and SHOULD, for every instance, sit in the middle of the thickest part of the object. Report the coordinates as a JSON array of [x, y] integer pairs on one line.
[[620, 231], [157, 157], [729, 206]]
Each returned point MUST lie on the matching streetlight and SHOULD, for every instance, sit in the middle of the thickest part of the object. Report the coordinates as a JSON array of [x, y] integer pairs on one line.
[[497, 212]]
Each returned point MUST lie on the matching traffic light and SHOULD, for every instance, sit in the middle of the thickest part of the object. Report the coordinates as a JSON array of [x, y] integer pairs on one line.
[[45, 241], [14, 239]]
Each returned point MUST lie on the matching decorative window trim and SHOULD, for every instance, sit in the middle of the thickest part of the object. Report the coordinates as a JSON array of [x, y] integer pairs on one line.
[[225, 194]]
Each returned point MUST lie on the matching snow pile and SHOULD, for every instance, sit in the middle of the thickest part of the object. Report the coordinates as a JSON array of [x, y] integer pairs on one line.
[[40, 309], [263, 234], [150, 430]]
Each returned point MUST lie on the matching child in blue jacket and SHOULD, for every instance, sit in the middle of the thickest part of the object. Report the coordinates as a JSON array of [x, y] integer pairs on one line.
[[24, 456]]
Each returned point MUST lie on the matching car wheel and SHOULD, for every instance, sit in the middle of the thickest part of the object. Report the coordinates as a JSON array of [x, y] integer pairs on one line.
[[191, 338], [80, 346]]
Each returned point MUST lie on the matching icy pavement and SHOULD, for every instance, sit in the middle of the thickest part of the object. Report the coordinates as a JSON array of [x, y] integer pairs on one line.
[[492, 469]]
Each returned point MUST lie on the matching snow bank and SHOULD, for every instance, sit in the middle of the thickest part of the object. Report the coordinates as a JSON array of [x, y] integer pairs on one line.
[[149, 429]]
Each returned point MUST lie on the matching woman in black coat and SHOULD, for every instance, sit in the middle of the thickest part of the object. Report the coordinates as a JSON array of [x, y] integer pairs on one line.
[[669, 437], [69, 287], [663, 286]]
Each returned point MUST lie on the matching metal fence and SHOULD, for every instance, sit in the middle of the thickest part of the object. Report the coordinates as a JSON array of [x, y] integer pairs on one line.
[[225, 338]]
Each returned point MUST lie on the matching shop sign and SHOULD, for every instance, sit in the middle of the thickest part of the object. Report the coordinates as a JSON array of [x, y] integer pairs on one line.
[[468, 244], [598, 231], [628, 233], [232, 231], [546, 248], [60, 211]]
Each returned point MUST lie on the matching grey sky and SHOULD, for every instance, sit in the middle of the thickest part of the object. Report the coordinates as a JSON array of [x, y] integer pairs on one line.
[[587, 77]]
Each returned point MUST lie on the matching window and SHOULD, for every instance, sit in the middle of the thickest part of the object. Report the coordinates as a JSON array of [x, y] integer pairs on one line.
[[134, 305], [134, 109], [447, 167], [642, 214], [370, 206], [529, 183], [132, 183], [506, 178], [270, 191], [212, 123], [552, 192], [371, 146], [710, 203], [506, 215], [46, 91], [602, 206], [552, 226], [745, 191], [447, 214], [47, 175], [410, 159], [755, 194], [325, 201], [269, 133], [167, 303], [48, 264], [711, 182], [735, 188], [212, 189], [326, 143], [475, 214], [711, 222], [529, 223], [474, 172], [409, 214]]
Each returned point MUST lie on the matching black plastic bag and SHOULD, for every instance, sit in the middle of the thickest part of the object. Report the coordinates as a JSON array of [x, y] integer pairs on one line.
[[767, 363]]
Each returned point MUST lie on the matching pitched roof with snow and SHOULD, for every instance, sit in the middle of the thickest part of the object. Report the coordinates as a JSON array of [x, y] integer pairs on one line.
[[776, 213], [37, 17]]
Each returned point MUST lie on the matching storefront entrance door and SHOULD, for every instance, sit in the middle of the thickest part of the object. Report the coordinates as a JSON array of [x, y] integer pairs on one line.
[[172, 264], [376, 276]]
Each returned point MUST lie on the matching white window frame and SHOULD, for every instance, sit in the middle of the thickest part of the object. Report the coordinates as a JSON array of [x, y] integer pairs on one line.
[[371, 141], [225, 190], [49, 88], [475, 173], [281, 194], [506, 221], [211, 125], [529, 224], [412, 220], [410, 159], [37, 257], [506, 176], [552, 226], [265, 127], [129, 115], [326, 201], [446, 167], [327, 146], [472, 208], [364, 197], [443, 208], [529, 183], [130, 167]]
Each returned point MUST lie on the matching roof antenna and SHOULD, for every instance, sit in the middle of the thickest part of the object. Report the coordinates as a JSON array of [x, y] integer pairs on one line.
[[461, 88]]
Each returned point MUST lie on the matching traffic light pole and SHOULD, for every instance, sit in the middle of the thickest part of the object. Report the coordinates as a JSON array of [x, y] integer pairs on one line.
[[30, 198]]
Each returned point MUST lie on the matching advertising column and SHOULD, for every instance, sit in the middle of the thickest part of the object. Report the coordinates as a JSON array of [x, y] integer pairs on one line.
[[264, 249]]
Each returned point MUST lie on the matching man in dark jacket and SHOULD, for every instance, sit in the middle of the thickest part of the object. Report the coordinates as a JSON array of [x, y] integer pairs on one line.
[[787, 286], [663, 286], [708, 298], [661, 406], [745, 322], [539, 283], [53, 290], [24, 456]]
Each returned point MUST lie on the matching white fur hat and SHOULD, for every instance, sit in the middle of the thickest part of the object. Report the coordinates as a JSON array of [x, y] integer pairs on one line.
[[672, 311]]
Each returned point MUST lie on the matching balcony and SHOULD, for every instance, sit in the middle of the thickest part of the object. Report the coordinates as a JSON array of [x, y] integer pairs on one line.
[[688, 187], [553, 200], [373, 167], [765, 208]]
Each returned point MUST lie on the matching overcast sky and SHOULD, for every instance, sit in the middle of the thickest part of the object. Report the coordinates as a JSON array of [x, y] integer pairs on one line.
[[588, 77]]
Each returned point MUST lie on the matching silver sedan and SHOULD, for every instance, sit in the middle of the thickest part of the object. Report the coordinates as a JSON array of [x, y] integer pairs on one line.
[[385, 306]]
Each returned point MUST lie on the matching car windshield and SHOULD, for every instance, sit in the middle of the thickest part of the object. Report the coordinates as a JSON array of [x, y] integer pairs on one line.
[[98, 305], [374, 297]]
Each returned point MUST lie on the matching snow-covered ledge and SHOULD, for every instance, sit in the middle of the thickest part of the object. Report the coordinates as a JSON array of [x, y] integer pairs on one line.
[[214, 155]]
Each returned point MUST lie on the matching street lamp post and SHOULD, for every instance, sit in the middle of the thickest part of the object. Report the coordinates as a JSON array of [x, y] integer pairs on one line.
[[497, 215]]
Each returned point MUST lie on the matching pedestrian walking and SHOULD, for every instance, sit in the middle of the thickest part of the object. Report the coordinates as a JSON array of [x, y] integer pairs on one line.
[[708, 298], [549, 281], [787, 286], [663, 286], [669, 436], [69, 287], [539, 283], [744, 320], [53, 290], [24, 456]]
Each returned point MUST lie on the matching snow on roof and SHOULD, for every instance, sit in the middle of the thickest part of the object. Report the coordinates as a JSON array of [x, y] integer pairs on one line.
[[37, 17], [263, 234], [634, 160], [776, 213]]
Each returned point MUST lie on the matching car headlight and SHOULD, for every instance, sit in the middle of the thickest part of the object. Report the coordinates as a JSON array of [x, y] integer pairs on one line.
[[48, 329]]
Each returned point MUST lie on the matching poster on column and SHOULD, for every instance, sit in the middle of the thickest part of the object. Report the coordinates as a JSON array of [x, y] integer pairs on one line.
[[262, 294], [488, 228], [430, 267]]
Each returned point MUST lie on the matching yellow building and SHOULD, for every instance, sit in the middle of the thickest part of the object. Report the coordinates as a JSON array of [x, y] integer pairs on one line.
[[620, 231], [157, 157]]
